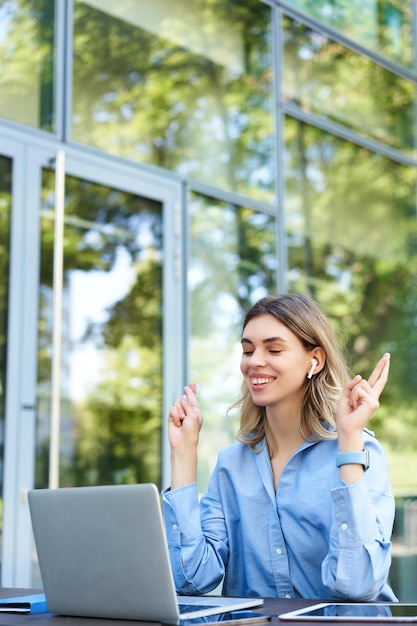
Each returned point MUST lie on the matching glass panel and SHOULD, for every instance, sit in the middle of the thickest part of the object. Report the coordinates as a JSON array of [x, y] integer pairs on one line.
[[111, 371], [325, 78], [384, 26], [352, 236], [5, 213], [185, 86], [232, 264], [27, 62]]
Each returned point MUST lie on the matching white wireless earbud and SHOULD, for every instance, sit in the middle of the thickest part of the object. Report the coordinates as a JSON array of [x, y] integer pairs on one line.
[[314, 363]]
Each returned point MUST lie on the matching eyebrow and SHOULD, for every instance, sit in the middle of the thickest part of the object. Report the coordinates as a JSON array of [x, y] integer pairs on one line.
[[267, 340]]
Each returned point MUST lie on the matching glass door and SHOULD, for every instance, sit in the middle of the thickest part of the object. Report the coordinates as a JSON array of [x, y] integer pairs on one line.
[[111, 335], [95, 392]]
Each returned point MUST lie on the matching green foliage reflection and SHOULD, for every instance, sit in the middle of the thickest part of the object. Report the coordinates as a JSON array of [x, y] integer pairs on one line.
[[384, 26], [352, 233], [113, 433], [326, 78], [233, 262], [27, 62], [188, 90]]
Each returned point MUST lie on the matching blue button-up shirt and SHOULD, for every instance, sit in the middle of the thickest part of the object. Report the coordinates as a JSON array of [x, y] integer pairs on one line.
[[315, 537]]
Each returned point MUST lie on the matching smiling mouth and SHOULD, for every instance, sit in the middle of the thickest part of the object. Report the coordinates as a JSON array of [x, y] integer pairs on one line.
[[261, 381]]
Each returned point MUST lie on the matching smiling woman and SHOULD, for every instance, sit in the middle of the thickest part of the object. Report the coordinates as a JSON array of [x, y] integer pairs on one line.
[[214, 152], [293, 337], [302, 425]]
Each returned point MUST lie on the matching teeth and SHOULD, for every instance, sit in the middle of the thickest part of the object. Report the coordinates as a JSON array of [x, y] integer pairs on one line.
[[260, 381]]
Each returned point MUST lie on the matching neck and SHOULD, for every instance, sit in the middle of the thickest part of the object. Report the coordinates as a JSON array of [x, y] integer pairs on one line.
[[283, 432]]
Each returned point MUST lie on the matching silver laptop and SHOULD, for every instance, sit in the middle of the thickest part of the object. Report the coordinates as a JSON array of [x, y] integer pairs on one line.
[[103, 553]]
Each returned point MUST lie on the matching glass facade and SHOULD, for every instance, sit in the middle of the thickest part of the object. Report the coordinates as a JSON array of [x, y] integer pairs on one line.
[[27, 62], [349, 237], [382, 26], [330, 80], [215, 152], [232, 263], [111, 367], [186, 90]]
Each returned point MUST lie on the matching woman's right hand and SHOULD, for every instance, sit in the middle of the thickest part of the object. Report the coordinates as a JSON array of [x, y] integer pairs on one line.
[[184, 425]]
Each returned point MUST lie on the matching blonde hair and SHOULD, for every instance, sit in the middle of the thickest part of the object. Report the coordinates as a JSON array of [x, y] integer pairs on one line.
[[302, 315]]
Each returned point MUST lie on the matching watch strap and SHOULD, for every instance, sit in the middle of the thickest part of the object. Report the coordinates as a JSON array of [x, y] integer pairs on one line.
[[353, 458]]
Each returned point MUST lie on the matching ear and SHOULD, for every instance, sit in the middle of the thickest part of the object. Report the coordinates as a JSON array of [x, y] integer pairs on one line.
[[317, 360]]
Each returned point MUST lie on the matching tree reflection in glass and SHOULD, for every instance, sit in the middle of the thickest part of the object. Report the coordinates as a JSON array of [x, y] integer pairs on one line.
[[27, 39], [384, 26], [352, 242], [323, 77], [183, 86], [111, 370], [232, 263]]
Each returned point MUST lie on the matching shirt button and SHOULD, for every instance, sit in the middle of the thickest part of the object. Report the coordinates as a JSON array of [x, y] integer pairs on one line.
[[287, 595], [278, 551], [174, 527], [344, 526]]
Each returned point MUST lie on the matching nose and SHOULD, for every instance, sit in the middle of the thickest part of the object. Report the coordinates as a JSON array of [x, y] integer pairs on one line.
[[257, 358]]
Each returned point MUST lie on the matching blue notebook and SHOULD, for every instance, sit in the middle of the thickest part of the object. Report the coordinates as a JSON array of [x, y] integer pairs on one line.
[[35, 603]]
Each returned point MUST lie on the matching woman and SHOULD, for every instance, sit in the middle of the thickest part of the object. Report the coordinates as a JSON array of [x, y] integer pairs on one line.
[[292, 508]]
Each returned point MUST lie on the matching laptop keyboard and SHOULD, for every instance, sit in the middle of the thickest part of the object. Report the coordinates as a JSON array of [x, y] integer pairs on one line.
[[187, 608]]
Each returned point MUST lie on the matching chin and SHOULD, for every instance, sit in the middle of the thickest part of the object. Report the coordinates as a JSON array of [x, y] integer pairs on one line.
[[258, 402]]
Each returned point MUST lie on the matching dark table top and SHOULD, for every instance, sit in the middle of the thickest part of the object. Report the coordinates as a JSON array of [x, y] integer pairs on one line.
[[272, 607]]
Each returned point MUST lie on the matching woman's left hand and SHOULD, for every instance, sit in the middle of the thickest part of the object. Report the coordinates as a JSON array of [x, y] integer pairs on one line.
[[357, 404]]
